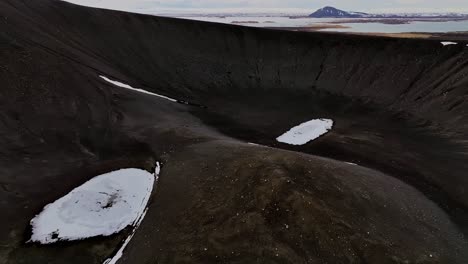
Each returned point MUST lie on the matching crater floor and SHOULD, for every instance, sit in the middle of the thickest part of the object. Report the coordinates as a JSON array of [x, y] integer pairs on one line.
[[387, 184]]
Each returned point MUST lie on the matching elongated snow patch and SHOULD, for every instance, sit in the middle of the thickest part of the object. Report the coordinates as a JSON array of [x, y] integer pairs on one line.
[[305, 132], [103, 206], [126, 86], [446, 43]]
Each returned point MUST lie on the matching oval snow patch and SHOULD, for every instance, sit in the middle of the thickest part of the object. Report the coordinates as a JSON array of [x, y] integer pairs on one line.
[[305, 132], [103, 206], [447, 43]]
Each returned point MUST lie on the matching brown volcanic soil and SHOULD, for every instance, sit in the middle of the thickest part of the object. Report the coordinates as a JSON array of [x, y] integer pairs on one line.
[[400, 113]]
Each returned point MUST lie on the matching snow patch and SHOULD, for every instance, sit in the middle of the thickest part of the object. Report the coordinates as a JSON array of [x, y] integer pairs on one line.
[[350, 163], [305, 132], [446, 43], [126, 86], [157, 170], [102, 206], [119, 253]]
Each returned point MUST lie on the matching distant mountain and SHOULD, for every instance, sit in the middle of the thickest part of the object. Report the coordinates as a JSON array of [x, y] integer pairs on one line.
[[329, 11]]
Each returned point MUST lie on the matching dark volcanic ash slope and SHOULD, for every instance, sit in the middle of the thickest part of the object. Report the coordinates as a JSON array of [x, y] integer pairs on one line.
[[400, 113]]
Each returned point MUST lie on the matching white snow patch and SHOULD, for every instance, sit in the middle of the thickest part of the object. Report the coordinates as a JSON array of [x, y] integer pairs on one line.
[[157, 170], [350, 163], [305, 132], [446, 43], [119, 253], [103, 206], [126, 86]]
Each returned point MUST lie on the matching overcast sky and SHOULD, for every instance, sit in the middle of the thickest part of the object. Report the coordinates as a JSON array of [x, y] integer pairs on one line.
[[305, 6]]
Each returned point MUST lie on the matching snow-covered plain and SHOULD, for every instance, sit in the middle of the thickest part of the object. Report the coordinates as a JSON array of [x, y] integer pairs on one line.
[[102, 206], [305, 132], [126, 86]]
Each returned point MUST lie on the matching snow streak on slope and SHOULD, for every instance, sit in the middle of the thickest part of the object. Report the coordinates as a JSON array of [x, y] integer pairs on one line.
[[119, 253], [126, 86]]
